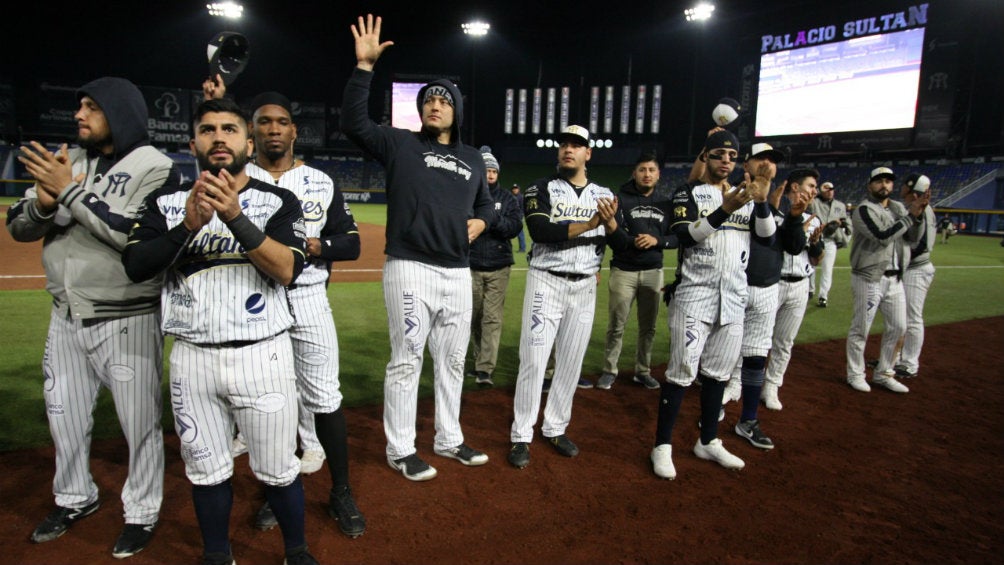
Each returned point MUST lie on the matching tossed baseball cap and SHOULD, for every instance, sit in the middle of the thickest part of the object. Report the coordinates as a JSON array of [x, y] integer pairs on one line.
[[917, 182], [722, 140], [765, 151], [228, 54], [578, 134], [882, 173]]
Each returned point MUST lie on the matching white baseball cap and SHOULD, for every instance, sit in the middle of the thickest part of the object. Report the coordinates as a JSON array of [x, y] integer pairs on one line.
[[760, 150], [576, 133], [882, 172], [917, 183]]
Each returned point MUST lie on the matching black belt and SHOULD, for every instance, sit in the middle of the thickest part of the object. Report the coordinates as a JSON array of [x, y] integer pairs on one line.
[[793, 279], [896, 274], [235, 344], [569, 276]]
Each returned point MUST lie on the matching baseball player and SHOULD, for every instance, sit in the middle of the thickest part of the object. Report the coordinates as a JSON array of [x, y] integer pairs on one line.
[[917, 278], [569, 219], [763, 271], [437, 204], [332, 235], [836, 232], [491, 262], [229, 245], [713, 222], [878, 258], [797, 267], [103, 329], [636, 270]]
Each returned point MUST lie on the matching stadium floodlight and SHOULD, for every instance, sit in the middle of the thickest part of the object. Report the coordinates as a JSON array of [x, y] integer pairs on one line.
[[700, 12], [476, 28], [231, 10], [540, 143]]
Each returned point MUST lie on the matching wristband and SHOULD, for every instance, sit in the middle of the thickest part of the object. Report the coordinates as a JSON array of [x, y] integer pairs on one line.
[[247, 234]]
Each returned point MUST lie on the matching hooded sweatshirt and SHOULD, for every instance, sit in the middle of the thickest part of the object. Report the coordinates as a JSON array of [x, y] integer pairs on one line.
[[84, 237], [432, 188]]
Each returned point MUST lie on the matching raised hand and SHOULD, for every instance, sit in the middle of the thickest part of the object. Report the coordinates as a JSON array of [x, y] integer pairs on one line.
[[368, 46], [213, 88], [736, 197]]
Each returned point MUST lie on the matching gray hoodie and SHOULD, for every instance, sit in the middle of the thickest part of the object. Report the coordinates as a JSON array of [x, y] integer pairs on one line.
[[84, 237]]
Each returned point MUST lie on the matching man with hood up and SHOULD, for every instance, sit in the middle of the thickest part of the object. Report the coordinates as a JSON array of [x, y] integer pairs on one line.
[[437, 205], [104, 329]]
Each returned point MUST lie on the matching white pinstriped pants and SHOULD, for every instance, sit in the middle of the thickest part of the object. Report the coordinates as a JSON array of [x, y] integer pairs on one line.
[[213, 387], [695, 345], [424, 303], [792, 299], [916, 282], [870, 297], [825, 269], [126, 356], [558, 314], [315, 355]]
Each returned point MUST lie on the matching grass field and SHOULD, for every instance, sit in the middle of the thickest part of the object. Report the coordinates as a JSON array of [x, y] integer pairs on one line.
[[968, 285]]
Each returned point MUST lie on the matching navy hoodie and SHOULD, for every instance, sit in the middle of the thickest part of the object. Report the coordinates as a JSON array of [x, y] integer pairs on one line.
[[432, 189]]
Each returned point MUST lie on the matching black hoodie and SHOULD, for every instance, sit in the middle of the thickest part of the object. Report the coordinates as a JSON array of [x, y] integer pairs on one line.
[[126, 113], [432, 189], [639, 214]]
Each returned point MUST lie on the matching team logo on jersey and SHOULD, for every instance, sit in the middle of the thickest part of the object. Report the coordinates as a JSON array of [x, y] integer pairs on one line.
[[313, 210], [255, 304], [116, 185], [680, 212]]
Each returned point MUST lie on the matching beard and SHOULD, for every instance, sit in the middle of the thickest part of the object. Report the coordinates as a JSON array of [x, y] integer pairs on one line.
[[93, 143], [235, 167]]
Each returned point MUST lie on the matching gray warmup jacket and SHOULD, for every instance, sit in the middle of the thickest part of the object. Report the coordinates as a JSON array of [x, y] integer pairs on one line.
[[85, 235], [877, 233]]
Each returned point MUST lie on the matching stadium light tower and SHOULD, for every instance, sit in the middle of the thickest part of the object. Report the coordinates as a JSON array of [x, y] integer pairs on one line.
[[699, 13], [229, 10], [477, 29]]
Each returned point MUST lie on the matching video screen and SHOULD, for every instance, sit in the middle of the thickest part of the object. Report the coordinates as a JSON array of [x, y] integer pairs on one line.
[[404, 112], [864, 83]]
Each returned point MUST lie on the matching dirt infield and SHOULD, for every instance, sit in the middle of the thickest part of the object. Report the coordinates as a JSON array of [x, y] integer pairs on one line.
[[856, 478]]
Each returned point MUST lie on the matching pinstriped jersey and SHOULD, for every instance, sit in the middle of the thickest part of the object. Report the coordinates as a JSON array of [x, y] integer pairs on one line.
[[712, 272], [324, 211], [799, 265], [213, 293], [555, 198]]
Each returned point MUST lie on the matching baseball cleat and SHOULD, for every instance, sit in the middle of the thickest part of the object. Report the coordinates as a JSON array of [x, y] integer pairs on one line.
[[60, 520], [342, 507], [859, 384], [464, 454], [563, 445], [903, 373], [822, 302], [300, 557], [584, 383], [750, 430], [413, 468], [890, 383], [218, 559], [716, 452], [519, 454], [662, 461], [133, 539], [484, 379]]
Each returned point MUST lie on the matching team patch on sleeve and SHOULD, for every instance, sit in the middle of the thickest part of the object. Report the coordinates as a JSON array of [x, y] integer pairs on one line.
[[680, 212]]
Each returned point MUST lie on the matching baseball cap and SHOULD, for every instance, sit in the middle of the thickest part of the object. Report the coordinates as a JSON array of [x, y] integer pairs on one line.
[[826, 184], [917, 182], [765, 150], [722, 139], [578, 134], [228, 54], [882, 172], [271, 98]]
